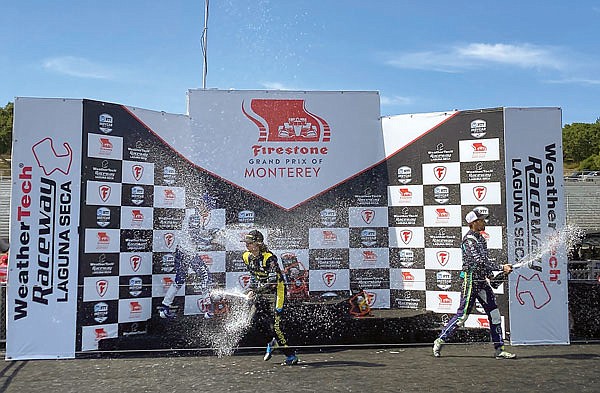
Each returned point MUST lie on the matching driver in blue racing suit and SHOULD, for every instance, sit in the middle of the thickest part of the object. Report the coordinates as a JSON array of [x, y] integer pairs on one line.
[[186, 257], [476, 273]]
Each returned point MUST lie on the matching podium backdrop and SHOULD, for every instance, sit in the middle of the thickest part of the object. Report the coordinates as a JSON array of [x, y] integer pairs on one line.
[[352, 200]]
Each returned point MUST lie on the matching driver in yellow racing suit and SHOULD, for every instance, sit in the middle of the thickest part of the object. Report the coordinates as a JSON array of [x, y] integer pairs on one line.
[[267, 289]]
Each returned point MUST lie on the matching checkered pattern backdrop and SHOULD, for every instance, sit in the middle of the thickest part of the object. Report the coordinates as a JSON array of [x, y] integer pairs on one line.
[[393, 231]]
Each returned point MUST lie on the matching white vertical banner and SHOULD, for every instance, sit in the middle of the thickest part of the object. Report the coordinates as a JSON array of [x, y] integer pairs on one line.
[[46, 174], [535, 214]]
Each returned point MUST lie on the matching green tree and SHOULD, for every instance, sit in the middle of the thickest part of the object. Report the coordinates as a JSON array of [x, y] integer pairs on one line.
[[580, 141], [6, 125]]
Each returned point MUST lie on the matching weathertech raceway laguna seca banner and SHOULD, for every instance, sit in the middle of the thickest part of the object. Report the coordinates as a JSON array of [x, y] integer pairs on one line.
[[347, 200], [536, 215]]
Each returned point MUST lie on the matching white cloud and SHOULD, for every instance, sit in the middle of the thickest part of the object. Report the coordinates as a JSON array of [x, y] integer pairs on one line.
[[277, 86], [479, 55], [395, 100], [576, 81], [526, 56], [77, 67]]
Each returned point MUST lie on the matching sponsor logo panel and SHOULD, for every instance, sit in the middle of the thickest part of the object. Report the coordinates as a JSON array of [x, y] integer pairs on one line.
[[169, 197], [407, 279], [91, 335], [409, 195], [442, 301], [479, 150], [138, 172], [162, 282], [100, 288], [407, 258], [370, 278], [406, 237], [481, 193], [102, 241], [328, 238], [102, 170], [492, 234], [442, 153], [442, 216], [368, 237], [137, 195], [369, 258], [136, 240], [403, 299], [134, 263], [98, 312], [443, 258], [105, 146], [329, 280], [443, 237], [135, 287], [378, 298], [135, 310], [329, 259], [136, 217], [99, 264], [446, 173], [481, 172], [400, 216], [103, 193], [368, 216]]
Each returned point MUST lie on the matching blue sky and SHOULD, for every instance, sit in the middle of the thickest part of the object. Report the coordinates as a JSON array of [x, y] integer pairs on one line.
[[422, 56]]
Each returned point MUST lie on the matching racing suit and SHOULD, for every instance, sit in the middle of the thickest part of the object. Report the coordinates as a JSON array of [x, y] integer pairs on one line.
[[268, 283], [187, 257], [476, 270]]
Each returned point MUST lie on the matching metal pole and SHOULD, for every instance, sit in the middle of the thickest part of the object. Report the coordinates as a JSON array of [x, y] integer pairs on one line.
[[204, 43]]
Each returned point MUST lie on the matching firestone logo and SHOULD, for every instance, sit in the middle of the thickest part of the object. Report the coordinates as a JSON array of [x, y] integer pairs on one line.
[[440, 172], [135, 261], [329, 279], [104, 192], [442, 257], [169, 239], [406, 236], [137, 171], [368, 215], [244, 281], [101, 287], [479, 192], [137, 217]]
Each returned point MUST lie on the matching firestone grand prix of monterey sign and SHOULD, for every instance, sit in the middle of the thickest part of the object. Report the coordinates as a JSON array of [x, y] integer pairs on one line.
[[349, 201]]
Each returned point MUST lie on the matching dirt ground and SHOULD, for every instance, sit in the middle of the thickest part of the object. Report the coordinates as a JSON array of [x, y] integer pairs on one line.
[[463, 367]]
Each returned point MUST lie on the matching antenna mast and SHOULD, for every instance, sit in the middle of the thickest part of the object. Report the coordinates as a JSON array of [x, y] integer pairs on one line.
[[203, 44]]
